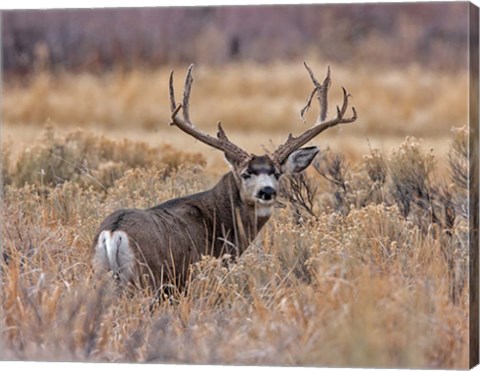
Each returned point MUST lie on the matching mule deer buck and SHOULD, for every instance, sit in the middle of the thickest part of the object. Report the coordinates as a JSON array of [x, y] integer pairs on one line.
[[156, 246]]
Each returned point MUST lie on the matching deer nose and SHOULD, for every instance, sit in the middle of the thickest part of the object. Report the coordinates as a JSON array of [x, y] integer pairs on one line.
[[267, 193]]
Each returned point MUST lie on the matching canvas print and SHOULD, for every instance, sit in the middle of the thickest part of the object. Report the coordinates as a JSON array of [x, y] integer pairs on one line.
[[283, 185]]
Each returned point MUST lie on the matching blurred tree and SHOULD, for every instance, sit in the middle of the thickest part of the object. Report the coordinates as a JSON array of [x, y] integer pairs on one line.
[[434, 34]]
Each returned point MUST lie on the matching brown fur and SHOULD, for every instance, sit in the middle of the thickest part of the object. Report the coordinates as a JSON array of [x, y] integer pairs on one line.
[[167, 238]]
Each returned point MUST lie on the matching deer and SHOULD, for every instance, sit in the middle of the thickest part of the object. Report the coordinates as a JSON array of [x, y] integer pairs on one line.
[[156, 246]]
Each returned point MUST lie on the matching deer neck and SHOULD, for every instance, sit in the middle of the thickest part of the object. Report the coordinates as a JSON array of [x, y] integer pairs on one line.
[[243, 220]]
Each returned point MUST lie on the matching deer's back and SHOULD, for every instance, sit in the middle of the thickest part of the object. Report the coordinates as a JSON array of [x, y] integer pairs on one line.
[[162, 242]]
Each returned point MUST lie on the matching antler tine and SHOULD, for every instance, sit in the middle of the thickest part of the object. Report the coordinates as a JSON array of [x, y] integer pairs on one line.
[[294, 143], [345, 102], [173, 105], [312, 76], [221, 133], [323, 97], [221, 142], [186, 93], [322, 92]]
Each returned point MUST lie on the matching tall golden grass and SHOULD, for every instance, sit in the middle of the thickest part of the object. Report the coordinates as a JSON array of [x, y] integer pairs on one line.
[[349, 279], [245, 97]]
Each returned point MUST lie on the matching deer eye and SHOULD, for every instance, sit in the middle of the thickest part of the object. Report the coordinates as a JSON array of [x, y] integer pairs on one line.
[[277, 175], [246, 175]]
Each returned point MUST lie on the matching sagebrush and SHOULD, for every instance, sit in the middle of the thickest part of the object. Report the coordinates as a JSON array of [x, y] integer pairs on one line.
[[364, 263]]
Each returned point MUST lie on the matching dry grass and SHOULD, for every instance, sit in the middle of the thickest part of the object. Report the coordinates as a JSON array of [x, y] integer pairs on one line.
[[258, 105], [245, 97], [364, 264], [87, 159], [357, 281]]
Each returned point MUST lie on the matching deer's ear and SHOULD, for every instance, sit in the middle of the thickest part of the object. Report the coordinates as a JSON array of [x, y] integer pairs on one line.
[[232, 162], [299, 159]]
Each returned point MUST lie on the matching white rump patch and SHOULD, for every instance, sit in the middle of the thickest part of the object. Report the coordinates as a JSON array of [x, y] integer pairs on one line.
[[112, 253]]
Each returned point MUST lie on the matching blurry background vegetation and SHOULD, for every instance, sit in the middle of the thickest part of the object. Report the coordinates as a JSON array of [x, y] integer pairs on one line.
[[432, 35], [107, 69]]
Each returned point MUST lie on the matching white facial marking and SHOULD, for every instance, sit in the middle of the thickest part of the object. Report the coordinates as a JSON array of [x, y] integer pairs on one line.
[[264, 210], [259, 184], [255, 183], [265, 180]]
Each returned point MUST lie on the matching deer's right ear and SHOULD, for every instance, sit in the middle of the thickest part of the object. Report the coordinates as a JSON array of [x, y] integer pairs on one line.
[[299, 160]]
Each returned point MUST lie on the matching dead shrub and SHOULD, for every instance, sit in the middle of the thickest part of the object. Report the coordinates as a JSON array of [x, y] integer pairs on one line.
[[88, 159], [410, 171], [299, 192]]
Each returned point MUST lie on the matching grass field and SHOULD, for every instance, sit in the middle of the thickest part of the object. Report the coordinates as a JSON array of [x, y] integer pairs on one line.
[[364, 263]]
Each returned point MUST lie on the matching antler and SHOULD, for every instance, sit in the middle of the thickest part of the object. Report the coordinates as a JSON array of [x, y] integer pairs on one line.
[[221, 142], [294, 143]]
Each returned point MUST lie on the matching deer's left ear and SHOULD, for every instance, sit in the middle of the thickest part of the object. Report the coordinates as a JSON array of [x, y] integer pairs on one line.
[[299, 160]]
